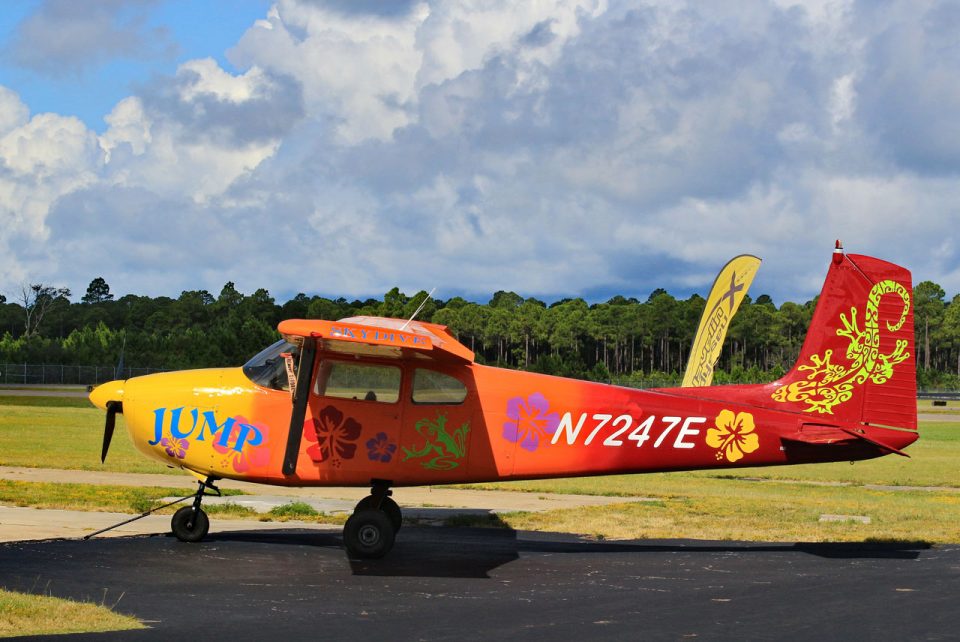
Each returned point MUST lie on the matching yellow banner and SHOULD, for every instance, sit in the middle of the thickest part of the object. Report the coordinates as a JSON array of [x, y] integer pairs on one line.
[[728, 291]]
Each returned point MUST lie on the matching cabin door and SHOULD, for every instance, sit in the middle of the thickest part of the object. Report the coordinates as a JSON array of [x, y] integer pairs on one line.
[[355, 414]]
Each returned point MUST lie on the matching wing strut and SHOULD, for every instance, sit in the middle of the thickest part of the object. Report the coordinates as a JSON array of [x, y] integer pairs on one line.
[[305, 377]]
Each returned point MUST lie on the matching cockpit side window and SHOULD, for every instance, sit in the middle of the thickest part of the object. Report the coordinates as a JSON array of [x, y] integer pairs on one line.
[[269, 369], [360, 381], [430, 386]]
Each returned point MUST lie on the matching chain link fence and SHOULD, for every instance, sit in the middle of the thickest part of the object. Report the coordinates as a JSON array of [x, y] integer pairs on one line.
[[46, 374]]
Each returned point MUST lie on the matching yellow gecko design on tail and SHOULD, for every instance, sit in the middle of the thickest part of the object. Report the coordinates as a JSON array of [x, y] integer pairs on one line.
[[828, 384]]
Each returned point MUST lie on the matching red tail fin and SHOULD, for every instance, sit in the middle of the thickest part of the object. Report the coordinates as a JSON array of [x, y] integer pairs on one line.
[[857, 363]]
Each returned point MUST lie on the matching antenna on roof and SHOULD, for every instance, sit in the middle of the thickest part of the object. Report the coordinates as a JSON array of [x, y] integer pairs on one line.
[[417, 311]]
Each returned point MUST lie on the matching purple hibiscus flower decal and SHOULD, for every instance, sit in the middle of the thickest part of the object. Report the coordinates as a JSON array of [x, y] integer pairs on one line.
[[531, 421], [380, 449], [175, 447]]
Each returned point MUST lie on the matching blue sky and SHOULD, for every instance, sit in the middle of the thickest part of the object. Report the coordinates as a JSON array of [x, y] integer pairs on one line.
[[559, 148], [196, 28]]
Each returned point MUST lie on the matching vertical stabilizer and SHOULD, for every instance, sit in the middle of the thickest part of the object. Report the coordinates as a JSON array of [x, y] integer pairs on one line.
[[858, 361]]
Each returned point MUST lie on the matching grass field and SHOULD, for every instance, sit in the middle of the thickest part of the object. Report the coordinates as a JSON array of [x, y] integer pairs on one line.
[[37, 435], [116, 499], [54, 402], [719, 509], [926, 407]]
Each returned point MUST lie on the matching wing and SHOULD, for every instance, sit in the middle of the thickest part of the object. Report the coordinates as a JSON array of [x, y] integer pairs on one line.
[[380, 336]]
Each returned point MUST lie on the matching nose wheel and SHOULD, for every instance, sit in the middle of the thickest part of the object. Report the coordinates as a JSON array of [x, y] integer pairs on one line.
[[190, 523], [370, 532]]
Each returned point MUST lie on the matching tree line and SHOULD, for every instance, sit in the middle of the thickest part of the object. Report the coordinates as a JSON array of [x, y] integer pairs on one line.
[[624, 340]]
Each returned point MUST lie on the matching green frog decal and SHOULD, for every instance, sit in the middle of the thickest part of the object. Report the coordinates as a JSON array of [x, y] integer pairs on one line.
[[446, 449]]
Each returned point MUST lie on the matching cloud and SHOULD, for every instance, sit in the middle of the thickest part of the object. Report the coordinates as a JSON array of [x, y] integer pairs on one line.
[[41, 159], [555, 149], [365, 69], [908, 90], [13, 113], [394, 8], [65, 37]]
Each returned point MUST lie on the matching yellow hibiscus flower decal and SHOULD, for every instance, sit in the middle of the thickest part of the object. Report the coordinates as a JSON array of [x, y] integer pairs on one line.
[[733, 436]]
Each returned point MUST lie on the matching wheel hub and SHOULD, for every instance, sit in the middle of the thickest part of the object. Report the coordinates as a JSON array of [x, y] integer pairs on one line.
[[369, 535]]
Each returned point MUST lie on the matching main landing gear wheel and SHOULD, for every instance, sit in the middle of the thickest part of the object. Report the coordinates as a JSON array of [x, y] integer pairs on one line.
[[372, 529], [387, 505], [190, 525], [368, 534]]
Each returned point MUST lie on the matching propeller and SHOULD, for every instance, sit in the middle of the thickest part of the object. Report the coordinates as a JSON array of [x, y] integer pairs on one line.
[[113, 407]]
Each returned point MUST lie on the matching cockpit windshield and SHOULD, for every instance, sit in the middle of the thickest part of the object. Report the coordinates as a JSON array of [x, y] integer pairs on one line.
[[268, 368]]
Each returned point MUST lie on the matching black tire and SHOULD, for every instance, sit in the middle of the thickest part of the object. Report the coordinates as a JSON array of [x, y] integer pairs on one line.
[[368, 534], [188, 528], [388, 506]]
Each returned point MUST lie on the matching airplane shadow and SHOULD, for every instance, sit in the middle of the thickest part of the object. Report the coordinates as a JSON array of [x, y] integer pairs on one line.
[[474, 552]]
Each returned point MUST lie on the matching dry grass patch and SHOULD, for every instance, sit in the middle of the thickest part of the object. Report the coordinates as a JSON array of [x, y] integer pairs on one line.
[[737, 510], [22, 614]]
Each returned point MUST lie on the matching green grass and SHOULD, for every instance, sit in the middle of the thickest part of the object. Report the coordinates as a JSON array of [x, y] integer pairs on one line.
[[49, 402], [294, 510], [67, 437], [139, 499], [231, 511], [44, 387], [115, 499], [22, 614], [926, 407]]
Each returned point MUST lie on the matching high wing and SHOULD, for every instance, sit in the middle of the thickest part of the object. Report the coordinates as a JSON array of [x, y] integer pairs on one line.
[[381, 337]]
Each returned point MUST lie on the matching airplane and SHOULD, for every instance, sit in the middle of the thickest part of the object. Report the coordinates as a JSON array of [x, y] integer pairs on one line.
[[389, 403]]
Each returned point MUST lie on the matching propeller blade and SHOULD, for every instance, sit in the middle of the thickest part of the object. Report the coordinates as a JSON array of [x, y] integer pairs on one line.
[[113, 407]]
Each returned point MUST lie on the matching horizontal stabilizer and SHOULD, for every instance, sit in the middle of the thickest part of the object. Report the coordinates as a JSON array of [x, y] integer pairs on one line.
[[834, 435]]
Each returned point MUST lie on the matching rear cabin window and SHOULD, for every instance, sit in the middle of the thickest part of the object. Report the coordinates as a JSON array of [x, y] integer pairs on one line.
[[361, 381], [430, 386]]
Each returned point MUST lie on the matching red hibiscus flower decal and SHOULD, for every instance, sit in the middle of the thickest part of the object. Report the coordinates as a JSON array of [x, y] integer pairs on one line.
[[335, 436]]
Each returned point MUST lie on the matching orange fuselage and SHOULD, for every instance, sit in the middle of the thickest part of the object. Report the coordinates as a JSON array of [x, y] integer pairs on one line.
[[510, 425]]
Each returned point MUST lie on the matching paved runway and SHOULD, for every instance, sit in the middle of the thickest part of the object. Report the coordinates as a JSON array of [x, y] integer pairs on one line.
[[471, 584]]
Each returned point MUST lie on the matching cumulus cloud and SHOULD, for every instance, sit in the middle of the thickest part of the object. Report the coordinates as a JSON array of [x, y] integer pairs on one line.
[[13, 113], [908, 86], [555, 149], [67, 37]]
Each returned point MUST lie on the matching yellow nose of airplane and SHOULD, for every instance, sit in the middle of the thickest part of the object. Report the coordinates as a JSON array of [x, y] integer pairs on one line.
[[110, 391]]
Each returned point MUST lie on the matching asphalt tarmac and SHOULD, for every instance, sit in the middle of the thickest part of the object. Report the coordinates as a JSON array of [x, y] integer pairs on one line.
[[490, 584]]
